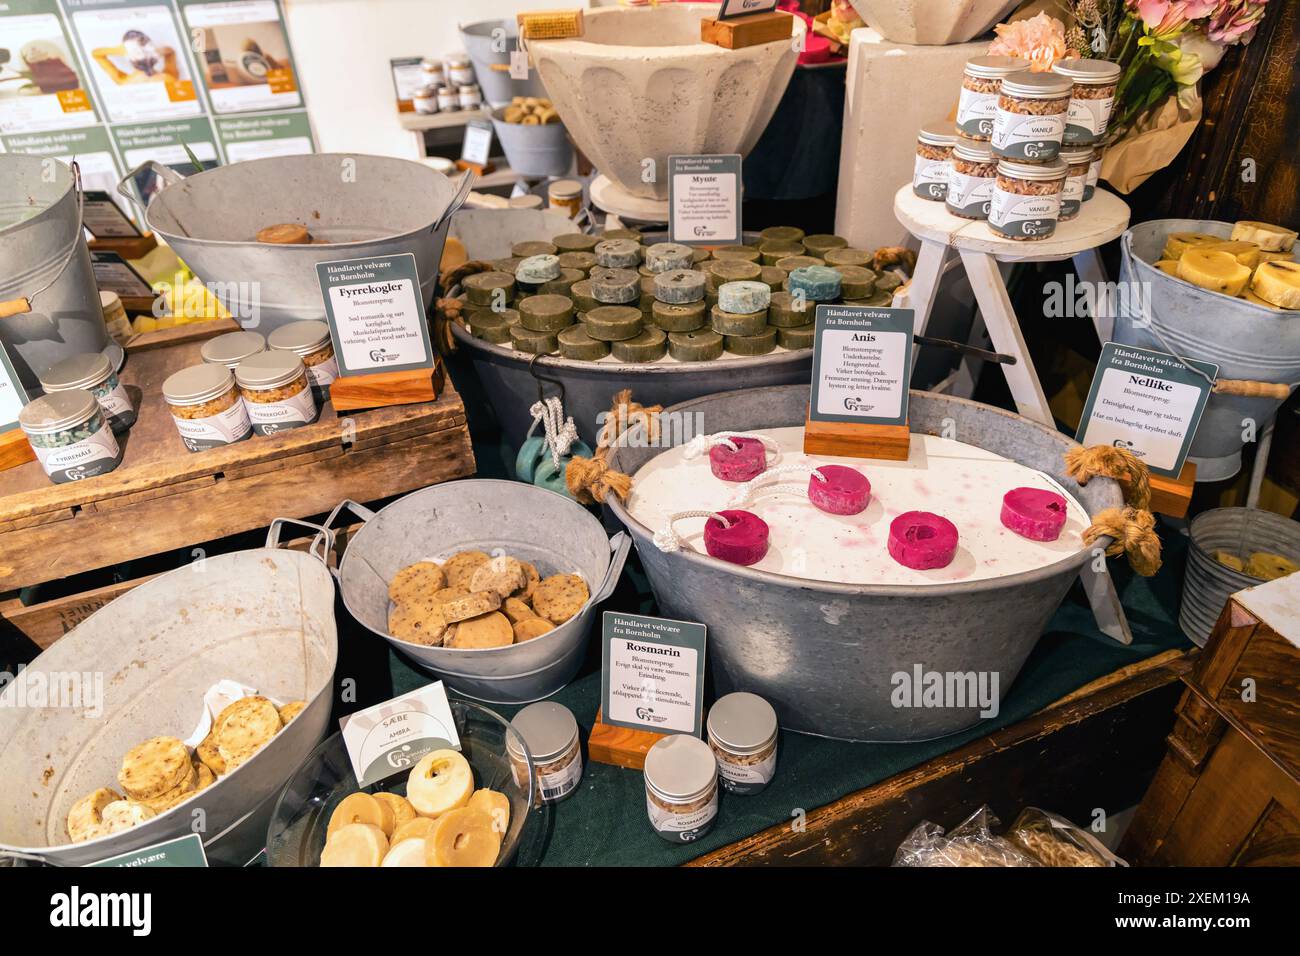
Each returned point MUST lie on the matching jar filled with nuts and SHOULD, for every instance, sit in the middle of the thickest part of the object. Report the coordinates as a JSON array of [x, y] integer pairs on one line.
[[68, 432], [934, 142], [232, 348], [206, 407], [448, 99], [1091, 99], [95, 373], [681, 788], [742, 733], [1030, 119], [458, 69], [970, 179], [276, 392], [425, 100], [1077, 163], [981, 83], [469, 96], [551, 733], [1094, 176], [1027, 199], [310, 341]]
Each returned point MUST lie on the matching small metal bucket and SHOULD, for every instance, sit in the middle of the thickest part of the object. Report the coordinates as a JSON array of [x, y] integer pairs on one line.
[[532, 524], [534, 150], [1207, 583], [480, 39]]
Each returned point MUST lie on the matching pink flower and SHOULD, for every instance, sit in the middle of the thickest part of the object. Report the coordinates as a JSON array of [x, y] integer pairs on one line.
[[1234, 21], [1040, 40]]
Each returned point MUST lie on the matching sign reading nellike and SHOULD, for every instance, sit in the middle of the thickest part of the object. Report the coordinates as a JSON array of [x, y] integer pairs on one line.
[[862, 365], [704, 199], [1147, 402], [376, 314], [652, 677]]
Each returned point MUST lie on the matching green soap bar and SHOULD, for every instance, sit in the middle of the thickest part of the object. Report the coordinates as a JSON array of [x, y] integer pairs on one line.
[[618, 253], [538, 269], [613, 323], [710, 297], [575, 343], [564, 284], [644, 270], [738, 323], [524, 289], [741, 253], [575, 242], [730, 270], [523, 250], [647, 293], [493, 326], [782, 234], [646, 346], [700, 254], [614, 286], [848, 256], [621, 234], [874, 300], [819, 283], [489, 288], [507, 266], [667, 256], [538, 343], [680, 286], [546, 313], [773, 251], [672, 317], [855, 282], [790, 263], [759, 344], [819, 243], [783, 312], [701, 345], [580, 293], [584, 262], [798, 337], [888, 281], [773, 277]]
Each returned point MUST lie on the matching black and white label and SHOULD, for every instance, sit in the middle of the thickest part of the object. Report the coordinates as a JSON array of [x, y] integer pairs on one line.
[[1072, 196], [682, 827], [930, 178], [224, 428], [975, 113], [1024, 217], [747, 778], [93, 455], [1030, 136], [295, 411], [560, 783], [968, 195], [1086, 120]]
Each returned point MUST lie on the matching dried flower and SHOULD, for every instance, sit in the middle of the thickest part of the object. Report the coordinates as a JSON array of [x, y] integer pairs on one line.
[[1076, 41], [1040, 40], [1234, 21]]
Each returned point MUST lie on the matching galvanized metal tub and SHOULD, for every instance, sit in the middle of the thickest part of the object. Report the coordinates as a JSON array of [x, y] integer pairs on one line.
[[263, 617], [825, 654], [361, 205], [530, 523], [533, 150], [489, 43], [40, 231], [1208, 583], [1246, 341]]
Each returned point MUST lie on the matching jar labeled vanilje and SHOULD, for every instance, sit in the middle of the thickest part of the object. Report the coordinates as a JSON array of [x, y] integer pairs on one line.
[[551, 733], [934, 142], [276, 392], [1094, 176], [971, 172], [1030, 121], [681, 788], [70, 436], [206, 406], [981, 84], [1091, 99], [1077, 162], [1026, 199], [310, 340], [742, 733], [94, 372]]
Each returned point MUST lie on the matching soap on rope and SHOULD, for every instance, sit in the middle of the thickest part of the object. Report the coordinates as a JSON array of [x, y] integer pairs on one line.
[[839, 490], [743, 540]]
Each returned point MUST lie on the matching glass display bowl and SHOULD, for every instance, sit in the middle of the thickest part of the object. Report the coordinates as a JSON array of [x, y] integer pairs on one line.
[[296, 835]]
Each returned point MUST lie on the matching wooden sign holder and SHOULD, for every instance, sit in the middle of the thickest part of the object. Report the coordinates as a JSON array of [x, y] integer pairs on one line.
[[128, 247], [736, 33], [620, 746], [480, 169], [1173, 496], [381, 389], [15, 450], [852, 440]]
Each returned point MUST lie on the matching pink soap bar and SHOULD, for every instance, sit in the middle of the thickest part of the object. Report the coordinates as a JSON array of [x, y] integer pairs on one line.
[[744, 542], [1034, 513], [748, 460], [922, 541], [845, 491]]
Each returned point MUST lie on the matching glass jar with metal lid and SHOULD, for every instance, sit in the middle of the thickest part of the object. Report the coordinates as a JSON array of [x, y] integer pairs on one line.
[[206, 406], [1091, 99], [981, 83], [310, 340], [425, 100], [934, 142], [459, 69], [70, 436], [742, 733], [448, 99], [565, 195], [681, 788], [551, 733], [1077, 163], [433, 72], [1030, 120], [95, 373], [276, 392], [1027, 199], [1094, 175], [469, 96], [971, 172], [232, 348]]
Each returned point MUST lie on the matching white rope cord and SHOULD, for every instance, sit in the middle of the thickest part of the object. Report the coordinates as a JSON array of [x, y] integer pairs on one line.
[[560, 432], [741, 498], [668, 541], [700, 444]]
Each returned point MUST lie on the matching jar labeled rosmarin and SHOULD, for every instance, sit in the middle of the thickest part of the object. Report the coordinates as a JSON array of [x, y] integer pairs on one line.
[[1091, 100], [1077, 163], [232, 348], [206, 406], [551, 733], [970, 179], [69, 435], [1030, 120], [93, 372], [276, 392], [310, 341], [980, 85], [1026, 199], [934, 143], [742, 733], [681, 788]]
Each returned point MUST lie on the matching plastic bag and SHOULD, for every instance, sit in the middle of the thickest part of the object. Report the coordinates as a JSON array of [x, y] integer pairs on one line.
[[971, 843], [1055, 841]]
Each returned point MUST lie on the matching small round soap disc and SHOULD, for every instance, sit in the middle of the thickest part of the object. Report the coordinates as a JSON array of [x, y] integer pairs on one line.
[[621, 234], [700, 345], [1034, 513], [613, 323], [744, 297], [749, 460], [743, 540], [820, 243], [563, 283], [584, 262], [845, 491], [666, 256], [922, 541], [546, 313], [580, 293], [522, 250], [731, 270], [772, 277], [818, 283], [759, 344], [679, 286], [618, 253], [773, 252], [648, 345], [527, 340], [846, 256], [507, 266], [678, 318], [489, 288], [791, 263], [647, 298], [742, 253], [614, 286], [575, 242], [787, 312], [782, 233], [887, 281], [538, 269], [796, 337], [855, 282], [576, 344], [493, 326], [284, 234], [738, 323]]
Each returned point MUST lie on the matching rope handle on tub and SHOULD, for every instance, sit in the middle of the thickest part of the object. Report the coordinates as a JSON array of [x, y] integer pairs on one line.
[[1132, 527], [1248, 388], [591, 480]]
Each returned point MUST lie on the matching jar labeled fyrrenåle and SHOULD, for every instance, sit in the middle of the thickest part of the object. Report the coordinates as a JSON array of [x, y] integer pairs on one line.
[[681, 788], [70, 436], [981, 83], [1091, 99], [95, 373], [742, 733], [934, 143], [972, 170], [1077, 162], [232, 348], [1030, 121], [551, 733], [1026, 199], [310, 341], [276, 392], [206, 406]]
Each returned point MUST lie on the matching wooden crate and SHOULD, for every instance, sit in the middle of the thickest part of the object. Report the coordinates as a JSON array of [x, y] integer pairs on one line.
[[163, 497]]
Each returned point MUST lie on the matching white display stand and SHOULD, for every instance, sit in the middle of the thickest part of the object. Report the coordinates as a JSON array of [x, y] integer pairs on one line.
[[1103, 218]]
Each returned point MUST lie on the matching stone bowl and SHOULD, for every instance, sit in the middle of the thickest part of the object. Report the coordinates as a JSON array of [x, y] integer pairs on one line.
[[932, 22]]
